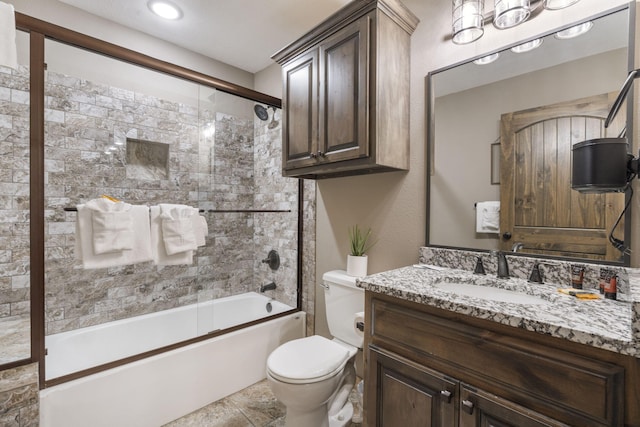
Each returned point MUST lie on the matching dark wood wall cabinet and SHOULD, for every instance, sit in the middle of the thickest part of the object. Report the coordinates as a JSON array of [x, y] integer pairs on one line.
[[430, 367], [346, 93]]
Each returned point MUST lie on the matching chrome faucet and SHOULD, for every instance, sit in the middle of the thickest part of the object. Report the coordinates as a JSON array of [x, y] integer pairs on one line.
[[503, 265], [517, 246], [268, 287]]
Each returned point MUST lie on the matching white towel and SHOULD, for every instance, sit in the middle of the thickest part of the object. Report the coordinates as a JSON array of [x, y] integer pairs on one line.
[[141, 251], [201, 229], [488, 217], [112, 226], [178, 228], [160, 256], [8, 51]]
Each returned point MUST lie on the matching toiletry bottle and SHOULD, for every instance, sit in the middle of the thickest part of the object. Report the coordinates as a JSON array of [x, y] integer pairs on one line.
[[577, 275], [604, 273], [610, 287]]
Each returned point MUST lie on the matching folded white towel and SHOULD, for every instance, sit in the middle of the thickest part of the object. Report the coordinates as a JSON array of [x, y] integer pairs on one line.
[[8, 51], [112, 226], [178, 231], [201, 229], [141, 251], [488, 217], [160, 255]]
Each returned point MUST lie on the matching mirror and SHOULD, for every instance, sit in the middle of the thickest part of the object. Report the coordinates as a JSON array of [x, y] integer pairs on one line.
[[467, 103]]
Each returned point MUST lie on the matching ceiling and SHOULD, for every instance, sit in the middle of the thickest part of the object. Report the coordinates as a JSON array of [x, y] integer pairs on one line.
[[242, 33]]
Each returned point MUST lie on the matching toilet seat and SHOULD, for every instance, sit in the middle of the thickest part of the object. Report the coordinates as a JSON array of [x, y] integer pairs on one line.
[[307, 360]]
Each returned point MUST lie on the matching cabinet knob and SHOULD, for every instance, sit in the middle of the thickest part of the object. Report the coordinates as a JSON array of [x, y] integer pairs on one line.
[[313, 155], [446, 394], [506, 235], [321, 154], [467, 406]]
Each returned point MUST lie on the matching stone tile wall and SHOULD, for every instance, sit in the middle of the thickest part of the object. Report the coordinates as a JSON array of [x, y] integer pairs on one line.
[[19, 401], [216, 171], [14, 192]]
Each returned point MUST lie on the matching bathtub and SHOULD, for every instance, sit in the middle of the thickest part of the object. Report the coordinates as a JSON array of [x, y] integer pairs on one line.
[[158, 389]]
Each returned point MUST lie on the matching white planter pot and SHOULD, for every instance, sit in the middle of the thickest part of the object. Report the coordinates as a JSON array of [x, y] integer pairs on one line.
[[357, 265]]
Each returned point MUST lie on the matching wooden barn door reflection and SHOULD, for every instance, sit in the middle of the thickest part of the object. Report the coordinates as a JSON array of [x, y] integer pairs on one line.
[[538, 207]]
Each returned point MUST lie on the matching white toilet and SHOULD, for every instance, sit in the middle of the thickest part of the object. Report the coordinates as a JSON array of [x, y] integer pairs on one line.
[[313, 376]]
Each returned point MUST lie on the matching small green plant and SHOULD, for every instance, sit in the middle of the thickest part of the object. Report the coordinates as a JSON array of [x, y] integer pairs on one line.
[[359, 241]]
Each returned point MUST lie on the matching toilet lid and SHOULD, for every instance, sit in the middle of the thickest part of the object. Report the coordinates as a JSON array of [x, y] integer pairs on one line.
[[309, 359]]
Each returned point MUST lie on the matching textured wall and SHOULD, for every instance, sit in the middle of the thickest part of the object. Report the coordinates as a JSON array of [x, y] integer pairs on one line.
[[216, 171], [14, 192], [19, 402]]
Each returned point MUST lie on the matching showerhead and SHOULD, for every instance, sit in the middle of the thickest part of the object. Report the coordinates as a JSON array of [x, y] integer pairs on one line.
[[261, 112]]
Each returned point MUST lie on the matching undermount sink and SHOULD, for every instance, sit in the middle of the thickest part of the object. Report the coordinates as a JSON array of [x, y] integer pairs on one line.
[[489, 293]]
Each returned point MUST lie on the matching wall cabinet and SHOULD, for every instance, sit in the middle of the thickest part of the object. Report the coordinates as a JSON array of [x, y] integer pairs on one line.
[[430, 367], [346, 93]]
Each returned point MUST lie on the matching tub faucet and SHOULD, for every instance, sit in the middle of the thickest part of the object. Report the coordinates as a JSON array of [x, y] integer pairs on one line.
[[268, 287], [503, 265]]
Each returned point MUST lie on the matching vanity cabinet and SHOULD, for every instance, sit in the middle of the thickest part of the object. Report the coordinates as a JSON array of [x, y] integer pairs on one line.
[[426, 366], [346, 93]]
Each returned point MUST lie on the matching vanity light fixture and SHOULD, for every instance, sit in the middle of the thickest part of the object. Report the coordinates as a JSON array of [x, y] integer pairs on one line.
[[487, 59], [558, 4], [165, 9], [575, 31], [527, 47], [467, 18], [509, 13], [467, 21]]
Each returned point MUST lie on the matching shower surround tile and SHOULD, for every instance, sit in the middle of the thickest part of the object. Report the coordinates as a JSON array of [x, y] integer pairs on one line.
[[234, 168]]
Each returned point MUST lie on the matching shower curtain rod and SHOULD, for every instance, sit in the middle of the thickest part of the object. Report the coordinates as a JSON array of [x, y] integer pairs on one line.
[[74, 209]]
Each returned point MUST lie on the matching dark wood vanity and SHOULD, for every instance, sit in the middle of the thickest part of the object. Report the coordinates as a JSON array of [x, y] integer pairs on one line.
[[426, 366]]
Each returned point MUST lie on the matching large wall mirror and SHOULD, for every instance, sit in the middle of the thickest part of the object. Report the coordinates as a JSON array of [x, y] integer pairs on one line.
[[503, 131]]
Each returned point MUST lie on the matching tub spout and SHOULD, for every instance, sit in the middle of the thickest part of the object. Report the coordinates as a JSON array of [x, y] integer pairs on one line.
[[268, 287]]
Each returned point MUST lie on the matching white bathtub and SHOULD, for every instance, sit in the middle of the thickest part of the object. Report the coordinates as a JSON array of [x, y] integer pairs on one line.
[[84, 348], [153, 391]]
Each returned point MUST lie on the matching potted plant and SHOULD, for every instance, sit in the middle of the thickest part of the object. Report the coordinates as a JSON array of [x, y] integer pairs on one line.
[[359, 245]]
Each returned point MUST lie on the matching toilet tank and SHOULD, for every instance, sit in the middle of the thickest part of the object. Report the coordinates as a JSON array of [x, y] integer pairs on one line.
[[343, 300]]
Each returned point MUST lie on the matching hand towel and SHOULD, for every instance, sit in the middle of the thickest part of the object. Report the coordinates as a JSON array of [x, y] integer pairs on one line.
[[112, 226], [160, 256], [201, 229], [8, 51], [178, 231], [141, 251], [488, 217]]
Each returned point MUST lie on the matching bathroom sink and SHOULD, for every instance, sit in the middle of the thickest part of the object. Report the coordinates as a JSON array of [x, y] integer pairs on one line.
[[489, 293]]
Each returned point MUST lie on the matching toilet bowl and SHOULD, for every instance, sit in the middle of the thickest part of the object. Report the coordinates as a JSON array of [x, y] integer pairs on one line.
[[314, 376]]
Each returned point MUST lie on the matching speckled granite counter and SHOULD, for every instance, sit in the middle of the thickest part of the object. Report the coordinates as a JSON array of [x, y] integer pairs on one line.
[[607, 324]]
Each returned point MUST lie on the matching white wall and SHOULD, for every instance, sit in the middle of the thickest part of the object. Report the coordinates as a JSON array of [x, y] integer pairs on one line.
[[394, 204]]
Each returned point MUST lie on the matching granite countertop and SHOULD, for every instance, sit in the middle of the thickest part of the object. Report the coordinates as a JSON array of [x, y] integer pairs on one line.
[[612, 325]]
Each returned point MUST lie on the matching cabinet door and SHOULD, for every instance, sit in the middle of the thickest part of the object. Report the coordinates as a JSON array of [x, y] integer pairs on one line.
[[300, 111], [403, 393], [344, 94], [481, 409]]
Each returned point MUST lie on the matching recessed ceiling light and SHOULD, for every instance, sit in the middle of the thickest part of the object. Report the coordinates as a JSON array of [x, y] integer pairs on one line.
[[526, 47], [165, 9], [487, 59], [575, 31]]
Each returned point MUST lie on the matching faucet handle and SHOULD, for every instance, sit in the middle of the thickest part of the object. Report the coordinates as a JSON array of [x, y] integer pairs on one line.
[[479, 268], [536, 274]]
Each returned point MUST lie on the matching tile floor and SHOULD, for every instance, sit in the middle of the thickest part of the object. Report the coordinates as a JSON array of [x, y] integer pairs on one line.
[[255, 406]]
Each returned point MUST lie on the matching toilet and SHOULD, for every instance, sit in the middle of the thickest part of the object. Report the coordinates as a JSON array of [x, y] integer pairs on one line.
[[313, 376]]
